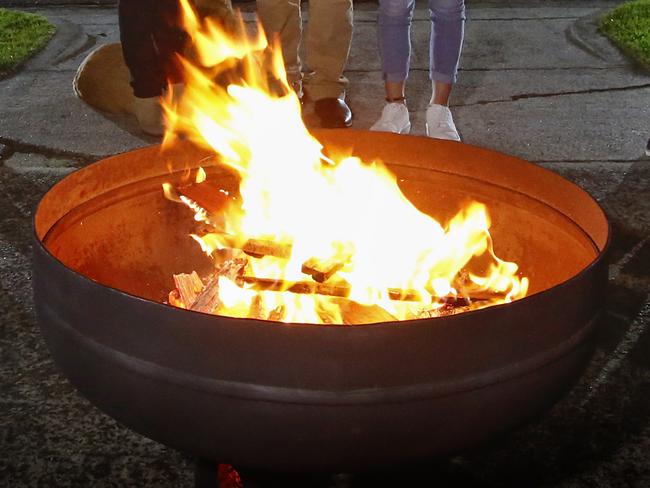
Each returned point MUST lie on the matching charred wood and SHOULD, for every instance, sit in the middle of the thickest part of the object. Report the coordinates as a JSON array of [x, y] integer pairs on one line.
[[208, 299], [188, 286], [258, 248], [321, 271]]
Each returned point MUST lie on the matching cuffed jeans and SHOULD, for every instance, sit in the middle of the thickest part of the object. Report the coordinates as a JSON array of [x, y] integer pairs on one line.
[[327, 42], [447, 30]]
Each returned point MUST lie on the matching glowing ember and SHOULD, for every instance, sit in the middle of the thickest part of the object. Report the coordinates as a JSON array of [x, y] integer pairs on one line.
[[312, 239]]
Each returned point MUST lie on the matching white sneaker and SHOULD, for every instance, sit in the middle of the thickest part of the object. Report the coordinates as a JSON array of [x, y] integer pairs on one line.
[[394, 118], [440, 123]]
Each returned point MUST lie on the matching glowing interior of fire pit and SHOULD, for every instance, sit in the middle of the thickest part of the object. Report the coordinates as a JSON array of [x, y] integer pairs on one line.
[[306, 233], [112, 224]]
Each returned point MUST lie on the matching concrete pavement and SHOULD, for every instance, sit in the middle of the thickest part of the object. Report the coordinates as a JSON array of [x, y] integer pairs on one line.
[[536, 81]]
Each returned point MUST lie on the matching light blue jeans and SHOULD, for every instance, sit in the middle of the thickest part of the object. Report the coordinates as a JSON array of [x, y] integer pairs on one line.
[[447, 30]]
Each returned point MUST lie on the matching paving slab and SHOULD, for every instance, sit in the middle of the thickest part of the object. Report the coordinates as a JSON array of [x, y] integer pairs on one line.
[[577, 127], [599, 178], [41, 109], [29, 161], [542, 124], [65, 3], [80, 15]]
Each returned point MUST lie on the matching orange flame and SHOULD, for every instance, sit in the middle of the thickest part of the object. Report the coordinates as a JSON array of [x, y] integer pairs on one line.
[[344, 210]]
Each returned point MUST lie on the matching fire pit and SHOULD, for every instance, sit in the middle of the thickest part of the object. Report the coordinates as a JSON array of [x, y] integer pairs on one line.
[[257, 393], [314, 397]]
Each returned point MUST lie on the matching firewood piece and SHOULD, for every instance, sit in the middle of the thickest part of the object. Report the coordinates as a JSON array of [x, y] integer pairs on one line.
[[404, 295], [206, 195], [334, 289], [256, 310], [342, 289], [321, 271], [480, 295], [467, 288], [329, 314], [458, 301], [208, 299], [233, 268], [442, 311], [258, 248], [188, 286], [302, 287], [354, 313], [174, 298], [277, 314]]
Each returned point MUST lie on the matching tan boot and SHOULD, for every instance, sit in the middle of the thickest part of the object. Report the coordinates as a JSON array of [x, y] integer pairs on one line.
[[149, 114]]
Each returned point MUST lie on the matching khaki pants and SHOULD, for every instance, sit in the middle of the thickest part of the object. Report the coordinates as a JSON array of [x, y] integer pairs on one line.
[[327, 43]]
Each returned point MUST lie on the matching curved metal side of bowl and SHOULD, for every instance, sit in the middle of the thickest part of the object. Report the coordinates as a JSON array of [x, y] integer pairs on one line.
[[320, 398]]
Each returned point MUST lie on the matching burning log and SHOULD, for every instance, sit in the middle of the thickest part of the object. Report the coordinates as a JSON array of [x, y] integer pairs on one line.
[[339, 289], [467, 288], [404, 295], [342, 289], [233, 268], [256, 310], [458, 301], [258, 248], [208, 299], [443, 311], [206, 195], [354, 313], [321, 271], [277, 314], [188, 286], [477, 295], [194, 295], [255, 248]]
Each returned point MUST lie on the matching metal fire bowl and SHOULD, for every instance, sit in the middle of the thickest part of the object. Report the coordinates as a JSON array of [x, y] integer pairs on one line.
[[306, 397]]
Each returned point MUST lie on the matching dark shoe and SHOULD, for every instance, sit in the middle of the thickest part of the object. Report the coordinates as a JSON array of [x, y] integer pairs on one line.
[[334, 113]]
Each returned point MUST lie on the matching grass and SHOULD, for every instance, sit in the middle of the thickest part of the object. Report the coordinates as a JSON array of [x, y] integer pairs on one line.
[[628, 26], [21, 35]]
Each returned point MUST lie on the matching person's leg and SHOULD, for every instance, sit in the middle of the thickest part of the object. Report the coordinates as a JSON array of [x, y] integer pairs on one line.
[[447, 30], [328, 38], [282, 18], [169, 39], [394, 35], [136, 18], [329, 34]]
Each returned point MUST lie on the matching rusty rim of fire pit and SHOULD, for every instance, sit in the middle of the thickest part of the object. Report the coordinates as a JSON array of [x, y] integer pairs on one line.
[[43, 225]]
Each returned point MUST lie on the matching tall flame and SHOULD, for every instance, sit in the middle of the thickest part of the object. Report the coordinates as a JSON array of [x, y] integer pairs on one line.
[[237, 102]]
